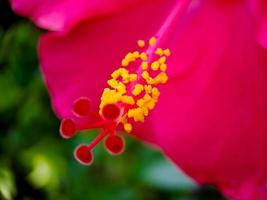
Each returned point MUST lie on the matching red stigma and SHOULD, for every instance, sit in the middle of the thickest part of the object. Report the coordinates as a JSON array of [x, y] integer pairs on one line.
[[114, 144], [111, 111], [67, 128], [107, 122], [81, 107], [83, 155]]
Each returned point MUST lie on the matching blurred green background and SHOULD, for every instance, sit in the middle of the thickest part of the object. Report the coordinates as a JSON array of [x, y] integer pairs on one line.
[[35, 163]]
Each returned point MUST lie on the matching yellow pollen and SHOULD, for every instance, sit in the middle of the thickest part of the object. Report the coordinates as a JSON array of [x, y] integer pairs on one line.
[[141, 43], [145, 111], [152, 41], [136, 54], [144, 65], [155, 93], [129, 57], [143, 56], [155, 66], [138, 88], [145, 75], [128, 127], [136, 114], [167, 52], [159, 51], [161, 78], [162, 60], [133, 77], [120, 87], [127, 99], [148, 89], [136, 92], [163, 67], [124, 63]]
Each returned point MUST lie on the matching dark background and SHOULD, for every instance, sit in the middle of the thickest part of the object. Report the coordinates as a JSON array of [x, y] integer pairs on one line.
[[35, 163]]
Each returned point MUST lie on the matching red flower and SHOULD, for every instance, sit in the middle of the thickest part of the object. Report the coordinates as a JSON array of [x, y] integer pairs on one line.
[[211, 116]]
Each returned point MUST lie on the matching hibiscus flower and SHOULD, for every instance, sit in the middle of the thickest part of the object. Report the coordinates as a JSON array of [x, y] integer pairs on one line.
[[210, 118]]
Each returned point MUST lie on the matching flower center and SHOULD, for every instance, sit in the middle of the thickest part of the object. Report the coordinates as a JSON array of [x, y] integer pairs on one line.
[[131, 94]]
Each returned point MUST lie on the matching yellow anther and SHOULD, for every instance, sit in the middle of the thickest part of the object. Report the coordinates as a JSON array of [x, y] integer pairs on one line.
[[144, 65], [127, 99], [115, 74], [161, 78], [127, 78], [145, 111], [145, 75], [138, 88], [162, 60], [143, 56], [147, 97], [123, 71], [136, 54], [163, 67], [119, 72], [159, 51], [151, 104], [136, 114], [155, 66], [133, 77], [141, 43], [128, 127], [113, 83], [155, 93], [152, 41], [146, 103], [124, 63], [120, 87], [129, 57], [140, 102], [167, 52], [148, 89]]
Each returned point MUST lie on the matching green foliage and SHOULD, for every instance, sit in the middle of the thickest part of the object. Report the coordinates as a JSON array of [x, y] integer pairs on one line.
[[35, 163]]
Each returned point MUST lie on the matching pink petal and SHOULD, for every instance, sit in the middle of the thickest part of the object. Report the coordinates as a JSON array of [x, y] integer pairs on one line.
[[211, 118], [262, 34], [259, 10], [61, 15]]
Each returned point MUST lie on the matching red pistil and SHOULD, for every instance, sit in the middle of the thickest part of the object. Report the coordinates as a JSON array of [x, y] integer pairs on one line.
[[108, 122], [111, 111], [83, 155], [81, 107], [114, 144], [67, 128]]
